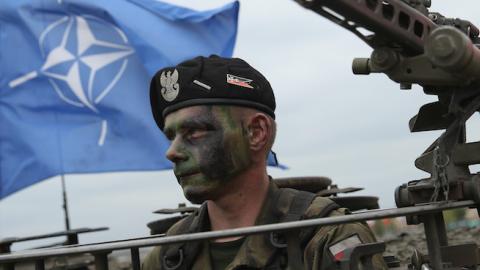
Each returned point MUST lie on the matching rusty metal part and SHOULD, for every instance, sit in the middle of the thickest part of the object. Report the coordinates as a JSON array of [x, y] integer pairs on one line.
[[181, 210], [394, 23], [335, 190], [307, 183], [355, 203], [162, 225]]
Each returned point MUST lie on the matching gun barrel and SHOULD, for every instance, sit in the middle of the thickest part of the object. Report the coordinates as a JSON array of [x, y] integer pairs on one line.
[[391, 20]]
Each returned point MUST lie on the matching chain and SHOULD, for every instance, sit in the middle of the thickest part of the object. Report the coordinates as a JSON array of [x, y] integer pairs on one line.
[[439, 174]]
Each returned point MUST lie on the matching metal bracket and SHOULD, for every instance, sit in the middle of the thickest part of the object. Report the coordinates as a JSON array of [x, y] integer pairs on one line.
[[465, 255], [361, 255]]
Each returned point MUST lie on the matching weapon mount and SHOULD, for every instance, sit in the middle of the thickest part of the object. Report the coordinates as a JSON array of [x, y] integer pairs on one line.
[[412, 45]]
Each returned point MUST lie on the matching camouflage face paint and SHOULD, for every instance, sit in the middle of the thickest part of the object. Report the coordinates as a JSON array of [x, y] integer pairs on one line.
[[211, 147]]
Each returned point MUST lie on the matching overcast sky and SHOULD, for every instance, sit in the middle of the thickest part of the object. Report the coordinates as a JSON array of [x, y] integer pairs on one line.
[[352, 129]]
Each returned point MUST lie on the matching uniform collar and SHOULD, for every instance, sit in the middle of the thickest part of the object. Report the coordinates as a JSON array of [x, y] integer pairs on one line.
[[257, 250]]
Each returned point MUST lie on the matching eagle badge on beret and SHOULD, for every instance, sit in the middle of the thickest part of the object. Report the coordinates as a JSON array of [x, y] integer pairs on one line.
[[170, 87]]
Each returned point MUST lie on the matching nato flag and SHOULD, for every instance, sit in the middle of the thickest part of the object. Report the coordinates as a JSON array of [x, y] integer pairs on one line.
[[74, 80]]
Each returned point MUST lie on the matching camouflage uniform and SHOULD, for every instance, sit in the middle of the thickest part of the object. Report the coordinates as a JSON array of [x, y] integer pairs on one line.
[[259, 251]]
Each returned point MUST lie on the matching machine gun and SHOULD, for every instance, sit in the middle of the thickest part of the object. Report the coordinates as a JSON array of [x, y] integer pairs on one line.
[[412, 45]]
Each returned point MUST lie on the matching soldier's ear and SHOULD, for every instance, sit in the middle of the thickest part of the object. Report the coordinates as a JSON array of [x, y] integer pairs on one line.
[[258, 131]]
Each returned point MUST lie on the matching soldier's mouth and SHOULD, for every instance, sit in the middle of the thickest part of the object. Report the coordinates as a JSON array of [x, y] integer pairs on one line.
[[188, 174]]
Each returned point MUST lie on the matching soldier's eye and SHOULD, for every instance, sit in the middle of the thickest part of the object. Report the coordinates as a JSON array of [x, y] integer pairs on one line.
[[196, 134]]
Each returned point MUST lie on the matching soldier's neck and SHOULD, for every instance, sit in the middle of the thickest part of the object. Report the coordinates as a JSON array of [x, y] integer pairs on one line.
[[241, 205]]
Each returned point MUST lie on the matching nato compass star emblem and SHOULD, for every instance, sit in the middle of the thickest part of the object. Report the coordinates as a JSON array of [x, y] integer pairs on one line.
[[74, 56]]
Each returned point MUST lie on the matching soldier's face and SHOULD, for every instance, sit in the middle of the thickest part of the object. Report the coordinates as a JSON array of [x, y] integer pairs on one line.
[[209, 148]]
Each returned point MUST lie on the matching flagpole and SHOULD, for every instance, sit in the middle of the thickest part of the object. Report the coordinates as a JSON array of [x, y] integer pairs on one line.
[[65, 204]]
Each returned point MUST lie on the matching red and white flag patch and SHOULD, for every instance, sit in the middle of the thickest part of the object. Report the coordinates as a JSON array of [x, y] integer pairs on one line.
[[338, 249], [236, 80]]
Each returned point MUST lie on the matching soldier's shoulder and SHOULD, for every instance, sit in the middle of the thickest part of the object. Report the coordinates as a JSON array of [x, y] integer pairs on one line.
[[180, 226], [321, 207], [152, 260], [324, 207], [327, 240]]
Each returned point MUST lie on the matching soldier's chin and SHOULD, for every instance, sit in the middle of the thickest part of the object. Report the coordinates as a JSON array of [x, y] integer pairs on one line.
[[196, 195]]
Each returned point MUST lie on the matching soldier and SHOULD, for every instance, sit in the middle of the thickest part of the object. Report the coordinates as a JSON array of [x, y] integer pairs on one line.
[[218, 114]]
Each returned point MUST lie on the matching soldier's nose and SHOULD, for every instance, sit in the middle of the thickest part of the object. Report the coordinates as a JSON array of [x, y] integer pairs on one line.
[[174, 152]]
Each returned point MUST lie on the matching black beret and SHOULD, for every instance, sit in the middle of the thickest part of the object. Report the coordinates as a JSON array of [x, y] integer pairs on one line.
[[209, 81]]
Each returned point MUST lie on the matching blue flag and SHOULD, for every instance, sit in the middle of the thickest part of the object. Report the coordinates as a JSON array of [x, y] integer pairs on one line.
[[74, 82]]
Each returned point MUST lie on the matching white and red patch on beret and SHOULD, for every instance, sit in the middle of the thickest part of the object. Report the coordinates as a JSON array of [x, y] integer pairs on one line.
[[237, 80], [338, 249]]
